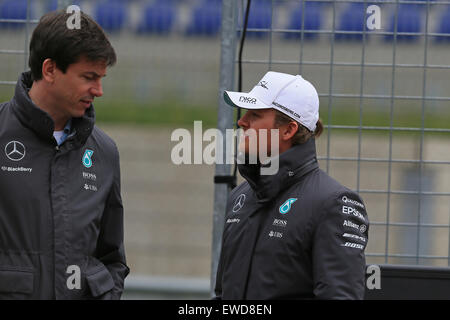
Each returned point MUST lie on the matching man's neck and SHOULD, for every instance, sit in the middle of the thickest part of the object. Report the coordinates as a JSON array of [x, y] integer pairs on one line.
[[43, 102]]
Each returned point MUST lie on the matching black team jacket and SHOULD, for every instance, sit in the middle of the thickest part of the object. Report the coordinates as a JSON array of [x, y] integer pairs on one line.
[[61, 214], [297, 234]]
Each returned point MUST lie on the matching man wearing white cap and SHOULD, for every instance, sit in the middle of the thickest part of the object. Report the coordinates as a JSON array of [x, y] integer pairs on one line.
[[297, 233]]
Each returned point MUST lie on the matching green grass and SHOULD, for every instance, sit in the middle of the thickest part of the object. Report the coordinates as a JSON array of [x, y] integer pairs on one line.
[[176, 114], [180, 114], [155, 115]]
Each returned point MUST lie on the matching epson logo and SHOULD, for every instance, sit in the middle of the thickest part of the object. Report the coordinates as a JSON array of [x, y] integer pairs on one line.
[[353, 211], [247, 99]]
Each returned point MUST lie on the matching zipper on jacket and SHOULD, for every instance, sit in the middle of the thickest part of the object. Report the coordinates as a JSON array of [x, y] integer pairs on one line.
[[57, 149]]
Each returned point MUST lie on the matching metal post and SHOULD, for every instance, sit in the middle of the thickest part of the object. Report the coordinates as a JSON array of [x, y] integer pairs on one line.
[[27, 35], [330, 98], [391, 126], [225, 120]]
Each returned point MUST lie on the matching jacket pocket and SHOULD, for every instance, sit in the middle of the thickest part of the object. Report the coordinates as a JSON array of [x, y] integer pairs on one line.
[[100, 282], [16, 283]]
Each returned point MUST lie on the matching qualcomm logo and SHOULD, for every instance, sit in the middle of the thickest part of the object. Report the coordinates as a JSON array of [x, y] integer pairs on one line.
[[87, 158], [286, 206], [15, 151]]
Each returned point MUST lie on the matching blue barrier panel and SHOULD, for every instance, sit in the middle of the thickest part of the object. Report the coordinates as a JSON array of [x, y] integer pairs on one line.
[[158, 17], [409, 20], [260, 17], [205, 19], [351, 19], [111, 15], [444, 26], [313, 20], [13, 10]]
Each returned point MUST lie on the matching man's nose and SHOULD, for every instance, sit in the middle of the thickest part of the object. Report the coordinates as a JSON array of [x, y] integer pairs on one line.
[[97, 90], [242, 122]]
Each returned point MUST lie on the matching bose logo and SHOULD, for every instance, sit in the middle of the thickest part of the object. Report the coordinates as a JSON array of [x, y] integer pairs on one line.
[[247, 99]]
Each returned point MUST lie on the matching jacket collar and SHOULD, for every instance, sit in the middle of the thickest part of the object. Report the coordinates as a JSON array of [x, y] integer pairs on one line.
[[40, 121], [293, 165]]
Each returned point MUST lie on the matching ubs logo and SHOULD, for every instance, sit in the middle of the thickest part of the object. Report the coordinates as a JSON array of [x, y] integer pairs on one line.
[[15, 151]]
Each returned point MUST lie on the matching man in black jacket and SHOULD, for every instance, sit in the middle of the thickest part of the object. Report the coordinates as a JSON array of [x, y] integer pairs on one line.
[[61, 214], [297, 233]]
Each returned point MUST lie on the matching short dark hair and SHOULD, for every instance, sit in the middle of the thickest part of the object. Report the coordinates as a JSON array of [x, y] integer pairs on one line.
[[303, 134], [52, 39]]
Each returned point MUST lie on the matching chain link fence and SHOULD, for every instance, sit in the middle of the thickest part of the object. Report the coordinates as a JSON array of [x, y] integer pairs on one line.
[[381, 70], [168, 67], [382, 77]]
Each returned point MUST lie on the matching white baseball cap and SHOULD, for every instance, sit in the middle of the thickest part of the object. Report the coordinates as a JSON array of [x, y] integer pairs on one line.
[[291, 95]]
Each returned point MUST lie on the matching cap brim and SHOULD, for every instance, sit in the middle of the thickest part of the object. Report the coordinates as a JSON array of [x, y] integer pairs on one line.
[[244, 100]]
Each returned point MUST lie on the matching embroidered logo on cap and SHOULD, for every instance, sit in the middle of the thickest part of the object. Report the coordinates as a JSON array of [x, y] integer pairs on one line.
[[247, 99], [263, 84]]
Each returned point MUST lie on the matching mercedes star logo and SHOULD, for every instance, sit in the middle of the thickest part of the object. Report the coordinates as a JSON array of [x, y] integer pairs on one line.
[[15, 151], [239, 203]]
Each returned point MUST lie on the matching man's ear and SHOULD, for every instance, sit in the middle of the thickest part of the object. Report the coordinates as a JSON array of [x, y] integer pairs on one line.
[[288, 130], [49, 70]]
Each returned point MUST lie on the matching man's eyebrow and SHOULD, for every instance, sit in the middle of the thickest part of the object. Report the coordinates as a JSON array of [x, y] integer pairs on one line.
[[95, 74]]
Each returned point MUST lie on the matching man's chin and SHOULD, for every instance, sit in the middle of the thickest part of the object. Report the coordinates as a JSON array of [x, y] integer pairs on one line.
[[246, 157], [249, 149], [78, 114]]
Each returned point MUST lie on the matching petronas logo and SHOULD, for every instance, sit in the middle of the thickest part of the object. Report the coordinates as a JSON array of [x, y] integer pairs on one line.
[[87, 158], [286, 206]]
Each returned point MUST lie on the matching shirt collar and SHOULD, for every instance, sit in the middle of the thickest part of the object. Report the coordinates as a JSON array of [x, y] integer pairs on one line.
[[294, 164], [68, 126], [39, 121]]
